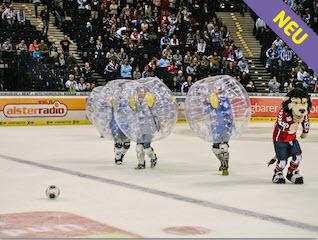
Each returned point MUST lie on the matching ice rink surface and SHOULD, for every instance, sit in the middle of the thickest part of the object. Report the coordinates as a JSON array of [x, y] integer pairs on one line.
[[184, 196]]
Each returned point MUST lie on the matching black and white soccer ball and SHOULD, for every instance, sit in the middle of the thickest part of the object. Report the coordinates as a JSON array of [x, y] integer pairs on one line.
[[52, 192]]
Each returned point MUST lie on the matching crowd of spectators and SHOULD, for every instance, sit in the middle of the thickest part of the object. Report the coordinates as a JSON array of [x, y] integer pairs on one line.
[[177, 41], [286, 68], [11, 15], [48, 64], [180, 41]]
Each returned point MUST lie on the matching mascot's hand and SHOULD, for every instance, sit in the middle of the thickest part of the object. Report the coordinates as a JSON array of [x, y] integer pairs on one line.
[[303, 135], [294, 127]]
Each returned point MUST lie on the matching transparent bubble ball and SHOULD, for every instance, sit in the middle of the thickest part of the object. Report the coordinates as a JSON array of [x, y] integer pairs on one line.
[[100, 110], [146, 111], [90, 101], [218, 108]]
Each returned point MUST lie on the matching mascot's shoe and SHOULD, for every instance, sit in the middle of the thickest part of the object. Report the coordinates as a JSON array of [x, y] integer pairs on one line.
[[278, 178], [295, 177], [221, 168], [153, 162], [141, 166]]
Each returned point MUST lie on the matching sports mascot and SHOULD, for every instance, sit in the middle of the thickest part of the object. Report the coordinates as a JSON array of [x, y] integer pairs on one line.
[[295, 109]]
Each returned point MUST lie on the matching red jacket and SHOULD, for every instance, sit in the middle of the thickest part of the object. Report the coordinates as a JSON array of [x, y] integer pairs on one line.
[[286, 129]]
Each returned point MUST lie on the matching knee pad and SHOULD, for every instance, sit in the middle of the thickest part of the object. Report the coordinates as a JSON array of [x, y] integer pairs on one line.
[[118, 151], [221, 151], [297, 158], [220, 148], [118, 145], [224, 147], [126, 145]]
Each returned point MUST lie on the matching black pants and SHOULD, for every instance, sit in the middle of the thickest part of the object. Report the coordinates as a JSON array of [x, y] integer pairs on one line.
[[45, 28]]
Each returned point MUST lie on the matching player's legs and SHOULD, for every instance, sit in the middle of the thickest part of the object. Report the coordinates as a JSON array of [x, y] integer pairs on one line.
[[118, 150], [122, 144], [293, 174], [282, 154], [149, 151], [221, 151], [144, 148], [126, 146], [140, 156]]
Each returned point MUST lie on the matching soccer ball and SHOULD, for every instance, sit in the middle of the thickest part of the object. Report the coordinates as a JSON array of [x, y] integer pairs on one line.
[[52, 192]]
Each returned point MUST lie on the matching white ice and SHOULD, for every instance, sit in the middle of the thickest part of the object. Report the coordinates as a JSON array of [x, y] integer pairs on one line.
[[186, 167]]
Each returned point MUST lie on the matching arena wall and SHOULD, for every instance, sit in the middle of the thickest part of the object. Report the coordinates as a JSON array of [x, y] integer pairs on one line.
[[23, 109]]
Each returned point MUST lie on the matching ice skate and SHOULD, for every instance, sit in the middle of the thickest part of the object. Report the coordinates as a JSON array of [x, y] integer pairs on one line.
[[225, 167], [221, 152], [278, 178], [225, 172], [141, 166], [295, 177], [120, 150], [119, 161], [153, 162]]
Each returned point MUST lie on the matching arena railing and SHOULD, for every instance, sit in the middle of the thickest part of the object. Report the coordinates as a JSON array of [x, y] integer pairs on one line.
[[13, 93]]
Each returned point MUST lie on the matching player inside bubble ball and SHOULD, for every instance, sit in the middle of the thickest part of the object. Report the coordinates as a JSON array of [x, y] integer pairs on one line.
[[121, 141], [147, 126], [219, 117]]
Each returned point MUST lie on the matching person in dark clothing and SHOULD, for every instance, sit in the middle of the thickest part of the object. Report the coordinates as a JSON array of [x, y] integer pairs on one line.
[[245, 79], [65, 44], [36, 4], [45, 16]]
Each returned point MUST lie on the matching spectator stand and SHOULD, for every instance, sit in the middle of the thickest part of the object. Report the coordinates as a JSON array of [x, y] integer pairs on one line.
[[47, 69], [171, 40]]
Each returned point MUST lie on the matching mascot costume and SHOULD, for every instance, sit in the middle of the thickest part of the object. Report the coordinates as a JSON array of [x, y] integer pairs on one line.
[[294, 112]]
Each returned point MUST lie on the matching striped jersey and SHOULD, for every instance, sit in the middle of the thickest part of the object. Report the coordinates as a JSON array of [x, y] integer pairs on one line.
[[285, 128]]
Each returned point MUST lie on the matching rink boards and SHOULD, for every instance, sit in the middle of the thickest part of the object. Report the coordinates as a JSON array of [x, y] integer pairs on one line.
[[29, 110]]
